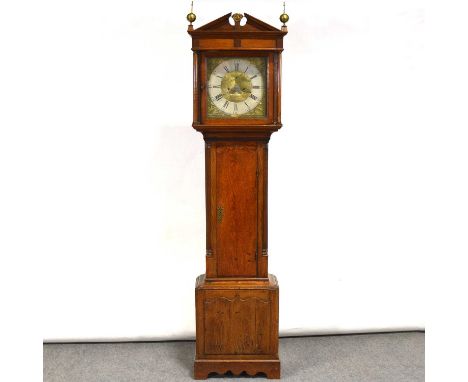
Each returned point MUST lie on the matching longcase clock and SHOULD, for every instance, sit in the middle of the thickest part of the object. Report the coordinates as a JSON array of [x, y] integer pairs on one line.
[[236, 106]]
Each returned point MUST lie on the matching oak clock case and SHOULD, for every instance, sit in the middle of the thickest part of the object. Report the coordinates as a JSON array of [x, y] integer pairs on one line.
[[236, 106]]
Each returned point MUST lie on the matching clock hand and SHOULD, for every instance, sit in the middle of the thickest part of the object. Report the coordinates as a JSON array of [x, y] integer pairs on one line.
[[235, 89]]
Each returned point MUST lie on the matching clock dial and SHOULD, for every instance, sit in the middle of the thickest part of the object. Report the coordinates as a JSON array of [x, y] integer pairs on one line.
[[236, 88]]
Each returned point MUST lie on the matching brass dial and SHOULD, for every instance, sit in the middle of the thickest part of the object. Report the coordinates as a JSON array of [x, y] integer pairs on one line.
[[236, 87]]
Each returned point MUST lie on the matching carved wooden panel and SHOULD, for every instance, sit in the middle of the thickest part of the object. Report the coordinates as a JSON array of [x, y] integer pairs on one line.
[[237, 325], [236, 209]]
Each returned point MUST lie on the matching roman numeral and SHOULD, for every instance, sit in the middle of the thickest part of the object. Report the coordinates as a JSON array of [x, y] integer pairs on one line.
[[226, 69], [219, 77], [226, 104], [256, 87], [246, 104], [218, 97], [235, 108], [216, 86], [253, 97], [236, 66], [246, 69], [253, 77]]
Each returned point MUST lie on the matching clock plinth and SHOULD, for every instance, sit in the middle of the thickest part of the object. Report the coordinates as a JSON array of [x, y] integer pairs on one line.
[[237, 327], [237, 98]]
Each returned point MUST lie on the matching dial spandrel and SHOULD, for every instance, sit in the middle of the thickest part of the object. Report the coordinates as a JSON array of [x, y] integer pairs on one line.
[[236, 87]]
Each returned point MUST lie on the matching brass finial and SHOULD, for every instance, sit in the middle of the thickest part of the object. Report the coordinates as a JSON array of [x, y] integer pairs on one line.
[[284, 18], [237, 17], [191, 17]]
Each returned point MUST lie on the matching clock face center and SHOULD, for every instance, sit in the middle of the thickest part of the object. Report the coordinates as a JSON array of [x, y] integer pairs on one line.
[[236, 86]]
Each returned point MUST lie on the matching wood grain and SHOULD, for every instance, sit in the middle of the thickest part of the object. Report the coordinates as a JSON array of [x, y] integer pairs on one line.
[[236, 194], [237, 321]]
